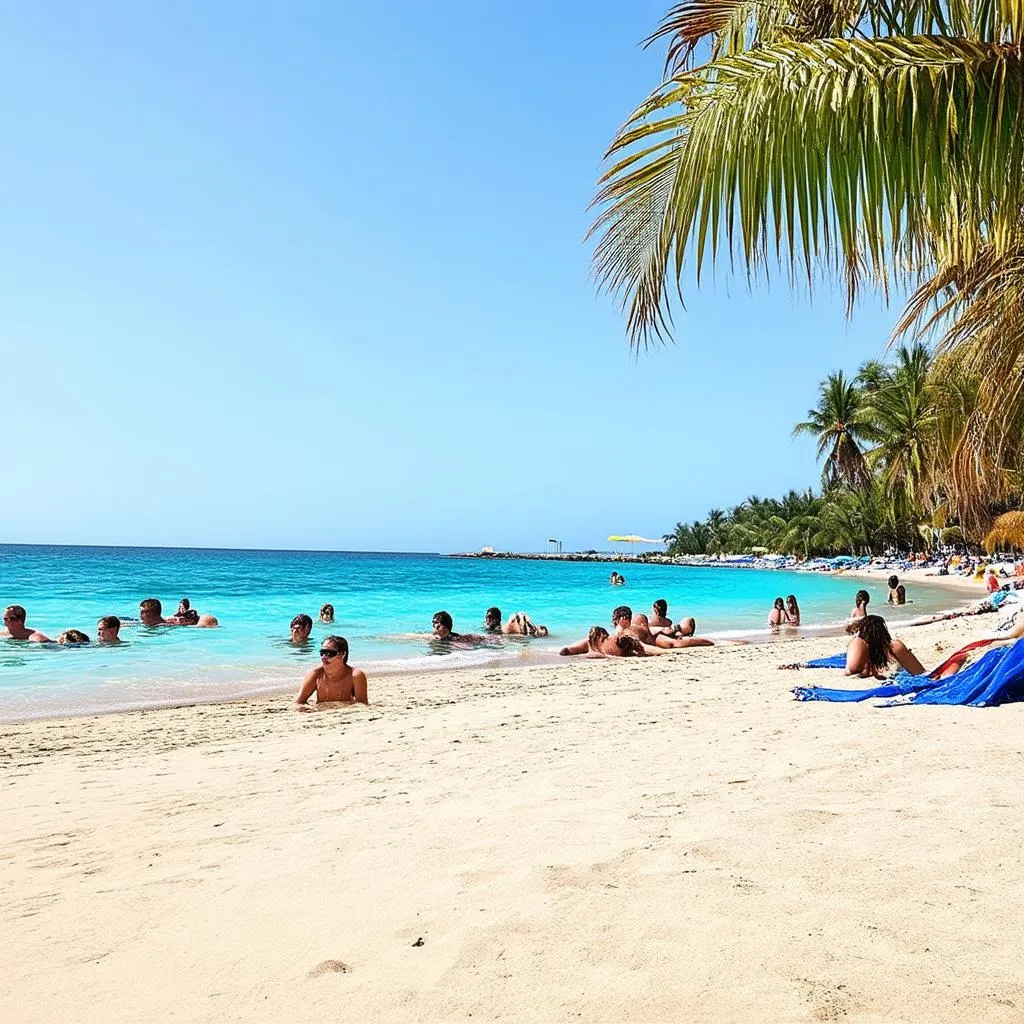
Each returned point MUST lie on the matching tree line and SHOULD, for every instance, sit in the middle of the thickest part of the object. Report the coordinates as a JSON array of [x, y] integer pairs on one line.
[[874, 145], [888, 475]]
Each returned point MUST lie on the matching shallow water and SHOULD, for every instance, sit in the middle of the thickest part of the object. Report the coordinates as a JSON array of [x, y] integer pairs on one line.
[[379, 599]]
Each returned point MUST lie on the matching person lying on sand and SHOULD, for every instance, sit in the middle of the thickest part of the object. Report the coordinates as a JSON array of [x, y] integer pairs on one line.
[[333, 681], [599, 644], [872, 650], [15, 628], [661, 623], [637, 626]]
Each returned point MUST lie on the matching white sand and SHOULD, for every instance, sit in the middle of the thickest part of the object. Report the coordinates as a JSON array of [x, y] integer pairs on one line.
[[671, 839]]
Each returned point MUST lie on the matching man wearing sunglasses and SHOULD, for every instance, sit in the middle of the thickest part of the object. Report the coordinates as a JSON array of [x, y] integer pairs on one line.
[[333, 681], [15, 628]]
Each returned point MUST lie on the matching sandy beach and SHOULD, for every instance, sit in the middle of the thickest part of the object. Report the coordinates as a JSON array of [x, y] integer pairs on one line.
[[659, 840]]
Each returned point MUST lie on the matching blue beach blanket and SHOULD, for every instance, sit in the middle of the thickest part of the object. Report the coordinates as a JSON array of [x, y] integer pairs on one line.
[[832, 661], [997, 677]]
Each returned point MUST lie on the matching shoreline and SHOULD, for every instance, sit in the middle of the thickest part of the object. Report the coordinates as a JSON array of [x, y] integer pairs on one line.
[[543, 661], [521, 658], [533, 844]]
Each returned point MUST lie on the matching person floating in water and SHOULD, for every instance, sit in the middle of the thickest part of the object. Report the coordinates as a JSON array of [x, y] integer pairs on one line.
[[151, 614], [444, 637], [15, 628], [519, 624], [72, 638], [333, 681], [108, 629], [301, 626], [327, 614]]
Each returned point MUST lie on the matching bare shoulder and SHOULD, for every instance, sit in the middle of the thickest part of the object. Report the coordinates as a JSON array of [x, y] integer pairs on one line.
[[358, 673], [208, 621]]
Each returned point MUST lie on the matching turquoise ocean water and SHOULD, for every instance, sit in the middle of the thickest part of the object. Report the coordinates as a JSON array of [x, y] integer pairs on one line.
[[378, 598]]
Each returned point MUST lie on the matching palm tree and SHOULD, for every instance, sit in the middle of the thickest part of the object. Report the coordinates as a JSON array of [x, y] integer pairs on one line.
[[902, 409], [866, 141], [838, 423]]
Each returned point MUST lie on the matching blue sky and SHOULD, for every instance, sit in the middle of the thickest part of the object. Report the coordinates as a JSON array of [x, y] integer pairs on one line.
[[313, 276]]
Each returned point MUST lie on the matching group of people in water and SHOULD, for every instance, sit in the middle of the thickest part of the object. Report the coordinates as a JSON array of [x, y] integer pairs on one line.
[[334, 681], [108, 628], [787, 612]]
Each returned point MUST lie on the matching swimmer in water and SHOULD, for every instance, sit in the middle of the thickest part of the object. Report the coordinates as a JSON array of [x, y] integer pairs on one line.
[[301, 626], [72, 638], [107, 630], [327, 614], [333, 681], [443, 637], [15, 628]]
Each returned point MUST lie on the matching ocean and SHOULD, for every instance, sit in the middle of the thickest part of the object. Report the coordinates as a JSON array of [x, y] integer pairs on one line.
[[383, 605]]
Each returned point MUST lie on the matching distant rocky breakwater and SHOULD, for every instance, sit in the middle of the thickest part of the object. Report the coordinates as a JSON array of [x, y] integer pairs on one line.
[[595, 556]]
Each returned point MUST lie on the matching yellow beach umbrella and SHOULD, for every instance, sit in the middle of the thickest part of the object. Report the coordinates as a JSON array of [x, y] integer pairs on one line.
[[1007, 531]]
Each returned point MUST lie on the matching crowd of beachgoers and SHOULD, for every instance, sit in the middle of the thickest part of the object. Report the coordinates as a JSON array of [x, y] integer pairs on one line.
[[631, 634]]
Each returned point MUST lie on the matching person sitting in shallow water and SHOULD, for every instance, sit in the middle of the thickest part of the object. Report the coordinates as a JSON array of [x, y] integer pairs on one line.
[[443, 634], [661, 623], [872, 650], [860, 610], [333, 681], [639, 627], [72, 638], [792, 611], [777, 616], [520, 624]]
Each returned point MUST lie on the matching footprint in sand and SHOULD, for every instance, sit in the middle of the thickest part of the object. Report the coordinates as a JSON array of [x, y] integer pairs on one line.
[[329, 967]]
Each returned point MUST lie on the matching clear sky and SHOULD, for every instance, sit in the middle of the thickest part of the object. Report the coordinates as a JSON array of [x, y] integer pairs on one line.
[[313, 275]]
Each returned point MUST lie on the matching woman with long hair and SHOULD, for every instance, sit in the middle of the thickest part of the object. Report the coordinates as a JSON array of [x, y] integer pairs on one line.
[[792, 611], [870, 653]]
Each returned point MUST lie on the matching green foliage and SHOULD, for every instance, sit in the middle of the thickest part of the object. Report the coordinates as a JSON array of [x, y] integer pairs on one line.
[[873, 142], [884, 440]]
